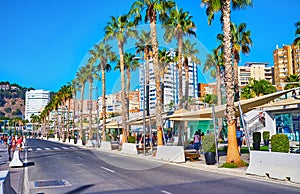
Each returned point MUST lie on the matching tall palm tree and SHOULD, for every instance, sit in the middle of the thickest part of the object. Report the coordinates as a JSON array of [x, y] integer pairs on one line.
[[154, 9], [74, 88], [292, 78], [214, 6], [130, 64], [143, 46], [120, 29], [82, 78], [241, 41], [91, 76], [297, 34], [189, 53], [178, 25], [164, 58], [103, 52]]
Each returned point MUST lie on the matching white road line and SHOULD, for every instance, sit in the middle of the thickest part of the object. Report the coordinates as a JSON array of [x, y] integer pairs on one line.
[[79, 158], [166, 192], [109, 170], [26, 182], [65, 148], [29, 149], [56, 148], [47, 149], [38, 149], [73, 147]]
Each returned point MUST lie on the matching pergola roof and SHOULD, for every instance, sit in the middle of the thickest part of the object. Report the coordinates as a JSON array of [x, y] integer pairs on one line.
[[246, 106]]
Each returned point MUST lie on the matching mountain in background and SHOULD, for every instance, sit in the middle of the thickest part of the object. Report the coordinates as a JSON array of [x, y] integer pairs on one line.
[[12, 100]]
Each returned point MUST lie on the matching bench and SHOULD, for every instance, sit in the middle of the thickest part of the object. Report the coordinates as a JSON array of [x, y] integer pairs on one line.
[[192, 155]]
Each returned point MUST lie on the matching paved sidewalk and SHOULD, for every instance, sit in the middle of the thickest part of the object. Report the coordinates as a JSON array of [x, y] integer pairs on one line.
[[16, 174]]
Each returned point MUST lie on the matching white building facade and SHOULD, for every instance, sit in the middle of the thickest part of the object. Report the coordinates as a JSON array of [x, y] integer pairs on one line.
[[35, 102], [171, 84]]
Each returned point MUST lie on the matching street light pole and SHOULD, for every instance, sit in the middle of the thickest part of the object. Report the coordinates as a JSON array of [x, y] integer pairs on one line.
[[144, 121]]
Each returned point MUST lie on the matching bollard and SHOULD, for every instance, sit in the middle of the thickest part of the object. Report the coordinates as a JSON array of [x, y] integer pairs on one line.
[[16, 162]]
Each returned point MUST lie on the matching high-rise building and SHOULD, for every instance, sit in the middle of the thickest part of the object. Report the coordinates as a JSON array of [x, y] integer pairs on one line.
[[286, 62], [35, 101], [254, 70], [170, 80]]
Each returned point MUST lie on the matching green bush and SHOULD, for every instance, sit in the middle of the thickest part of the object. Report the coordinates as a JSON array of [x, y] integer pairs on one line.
[[257, 137], [107, 137], [280, 143], [208, 143], [131, 139], [266, 135]]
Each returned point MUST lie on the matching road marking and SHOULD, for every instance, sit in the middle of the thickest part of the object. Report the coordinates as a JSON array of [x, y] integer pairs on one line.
[[107, 169], [166, 192], [56, 148], [47, 149], [65, 148], [29, 149], [38, 149], [79, 158], [26, 182]]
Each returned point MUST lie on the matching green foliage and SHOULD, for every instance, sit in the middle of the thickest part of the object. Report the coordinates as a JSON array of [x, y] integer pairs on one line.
[[210, 98], [292, 78], [17, 112], [131, 139], [107, 136], [257, 137], [208, 143], [280, 143], [234, 165], [266, 135], [8, 110], [257, 88]]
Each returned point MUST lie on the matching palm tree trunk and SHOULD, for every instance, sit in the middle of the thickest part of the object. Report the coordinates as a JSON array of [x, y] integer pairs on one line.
[[232, 153], [81, 113], [125, 132], [90, 109], [180, 93], [103, 105], [157, 80], [219, 96], [147, 82], [127, 91]]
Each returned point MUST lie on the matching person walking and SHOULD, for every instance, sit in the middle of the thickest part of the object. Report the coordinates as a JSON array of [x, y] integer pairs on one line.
[[196, 143], [239, 138]]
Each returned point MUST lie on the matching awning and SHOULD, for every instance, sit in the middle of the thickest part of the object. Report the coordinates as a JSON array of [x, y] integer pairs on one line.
[[140, 120], [286, 102], [176, 116], [246, 106], [113, 125]]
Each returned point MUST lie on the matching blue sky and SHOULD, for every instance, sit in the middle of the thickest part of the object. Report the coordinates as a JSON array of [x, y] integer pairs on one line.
[[43, 42]]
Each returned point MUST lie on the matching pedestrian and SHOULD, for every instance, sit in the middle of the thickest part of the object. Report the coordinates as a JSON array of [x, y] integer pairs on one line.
[[196, 142], [239, 138], [19, 143], [9, 147]]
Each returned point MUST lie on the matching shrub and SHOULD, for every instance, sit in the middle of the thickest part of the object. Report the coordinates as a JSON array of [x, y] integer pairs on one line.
[[233, 165], [107, 137], [131, 139], [257, 137], [266, 135], [280, 143], [208, 143]]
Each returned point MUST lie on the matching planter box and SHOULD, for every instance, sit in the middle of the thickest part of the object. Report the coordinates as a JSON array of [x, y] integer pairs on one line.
[[129, 148], [105, 146], [275, 165]]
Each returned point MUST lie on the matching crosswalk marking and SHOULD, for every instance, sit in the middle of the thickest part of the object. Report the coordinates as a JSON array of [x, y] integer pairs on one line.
[[52, 148]]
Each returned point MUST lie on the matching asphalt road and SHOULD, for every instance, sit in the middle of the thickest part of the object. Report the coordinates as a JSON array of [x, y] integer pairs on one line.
[[60, 168]]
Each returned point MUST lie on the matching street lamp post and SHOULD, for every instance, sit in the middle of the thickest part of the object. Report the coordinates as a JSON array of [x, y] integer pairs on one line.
[[144, 121]]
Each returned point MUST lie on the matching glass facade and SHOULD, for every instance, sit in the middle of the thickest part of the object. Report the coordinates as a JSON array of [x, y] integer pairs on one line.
[[288, 124]]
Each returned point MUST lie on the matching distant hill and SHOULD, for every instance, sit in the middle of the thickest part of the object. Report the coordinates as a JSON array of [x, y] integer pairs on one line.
[[12, 100]]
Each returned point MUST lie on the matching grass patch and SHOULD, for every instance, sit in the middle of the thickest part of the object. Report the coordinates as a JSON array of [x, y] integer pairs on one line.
[[234, 165]]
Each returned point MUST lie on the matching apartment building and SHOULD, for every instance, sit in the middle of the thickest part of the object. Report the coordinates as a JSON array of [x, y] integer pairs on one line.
[[170, 80], [35, 101], [286, 62], [255, 70]]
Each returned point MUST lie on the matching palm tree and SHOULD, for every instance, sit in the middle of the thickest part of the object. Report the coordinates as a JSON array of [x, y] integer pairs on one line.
[[214, 6], [143, 45], [91, 76], [189, 53], [257, 88], [82, 78], [154, 9], [292, 78], [74, 88], [165, 59], [178, 25], [103, 52], [120, 29], [297, 34], [130, 64], [241, 41]]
